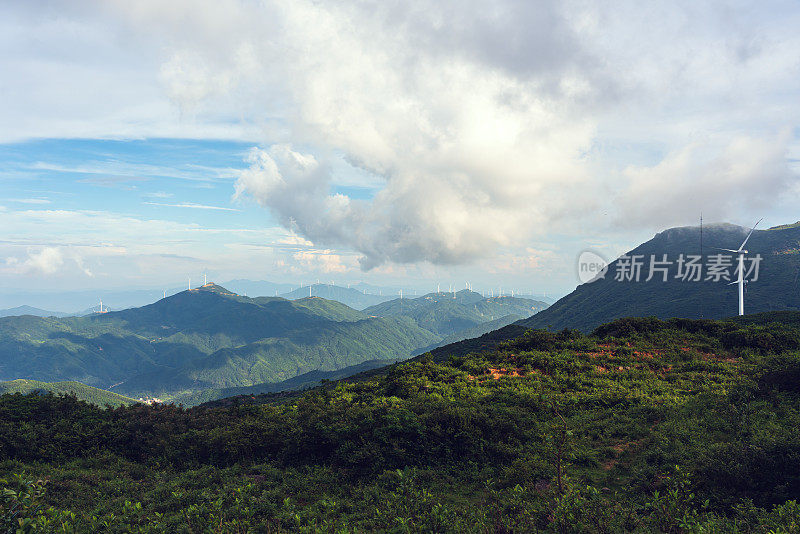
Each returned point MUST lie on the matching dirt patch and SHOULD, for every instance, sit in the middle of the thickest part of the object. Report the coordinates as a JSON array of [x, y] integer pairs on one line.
[[498, 372]]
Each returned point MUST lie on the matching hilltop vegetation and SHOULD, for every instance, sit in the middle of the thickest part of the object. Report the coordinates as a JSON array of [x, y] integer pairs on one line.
[[643, 426], [777, 287], [98, 397]]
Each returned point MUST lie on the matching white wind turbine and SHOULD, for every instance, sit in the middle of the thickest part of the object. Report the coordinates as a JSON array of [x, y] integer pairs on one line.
[[740, 279]]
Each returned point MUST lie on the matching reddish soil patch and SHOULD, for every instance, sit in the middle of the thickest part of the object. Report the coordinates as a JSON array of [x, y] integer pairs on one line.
[[502, 371], [497, 372]]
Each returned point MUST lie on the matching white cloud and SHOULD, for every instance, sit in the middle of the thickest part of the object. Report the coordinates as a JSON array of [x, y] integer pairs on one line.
[[747, 175], [488, 126], [28, 200], [192, 206], [325, 261], [136, 251], [126, 171], [46, 261], [485, 126]]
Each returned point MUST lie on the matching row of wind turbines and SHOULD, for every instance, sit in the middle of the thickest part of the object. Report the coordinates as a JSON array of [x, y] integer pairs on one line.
[[741, 252]]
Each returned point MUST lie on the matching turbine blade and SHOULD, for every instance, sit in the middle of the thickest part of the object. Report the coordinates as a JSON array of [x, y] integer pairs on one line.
[[726, 249], [751, 233]]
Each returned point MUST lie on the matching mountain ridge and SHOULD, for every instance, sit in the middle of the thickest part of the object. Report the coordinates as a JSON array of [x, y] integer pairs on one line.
[[184, 330], [606, 299]]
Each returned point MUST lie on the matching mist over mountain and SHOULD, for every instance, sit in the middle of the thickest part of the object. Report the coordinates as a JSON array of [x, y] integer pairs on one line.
[[349, 296], [603, 300], [29, 310], [257, 288], [84, 301]]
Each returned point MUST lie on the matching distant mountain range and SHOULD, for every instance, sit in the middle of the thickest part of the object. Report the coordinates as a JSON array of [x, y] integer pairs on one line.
[[83, 302], [351, 297], [210, 338], [204, 338], [447, 314], [257, 288], [604, 300], [67, 303], [30, 310]]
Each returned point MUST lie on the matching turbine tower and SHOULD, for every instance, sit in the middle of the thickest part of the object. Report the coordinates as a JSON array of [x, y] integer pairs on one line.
[[740, 279]]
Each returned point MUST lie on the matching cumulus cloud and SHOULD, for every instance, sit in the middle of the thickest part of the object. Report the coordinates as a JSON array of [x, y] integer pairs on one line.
[[46, 261], [746, 175], [325, 261], [440, 220], [487, 126]]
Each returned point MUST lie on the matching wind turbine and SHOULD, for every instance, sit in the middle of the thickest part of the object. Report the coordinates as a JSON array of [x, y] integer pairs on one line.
[[740, 280]]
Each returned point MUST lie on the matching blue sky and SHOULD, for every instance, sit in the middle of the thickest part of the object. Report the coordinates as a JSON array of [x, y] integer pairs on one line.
[[409, 143]]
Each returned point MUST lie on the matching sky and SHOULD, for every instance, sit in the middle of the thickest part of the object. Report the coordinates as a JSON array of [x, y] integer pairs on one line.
[[405, 143]]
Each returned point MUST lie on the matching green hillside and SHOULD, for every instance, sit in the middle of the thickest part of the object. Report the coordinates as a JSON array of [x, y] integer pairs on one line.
[[777, 287], [98, 397], [479, 330], [275, 359], [450, 313], [203, 338], [643, 426], [310, 379]]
